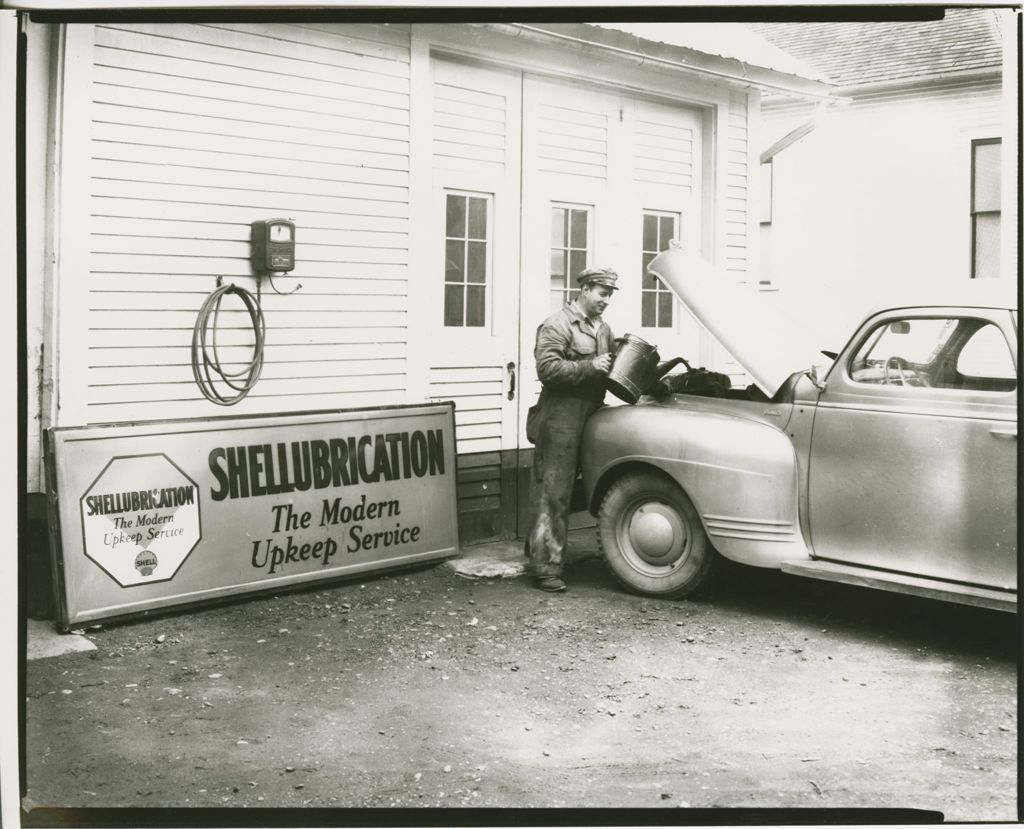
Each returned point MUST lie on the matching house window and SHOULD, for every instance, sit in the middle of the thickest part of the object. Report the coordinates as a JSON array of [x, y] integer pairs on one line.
[[466, 259], [655, 298], [766, 197], [765, 205], [570, 243], [985, 216]]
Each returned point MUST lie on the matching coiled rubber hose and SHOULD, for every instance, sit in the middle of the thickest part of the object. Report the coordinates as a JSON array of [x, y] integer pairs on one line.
[[205, 360]]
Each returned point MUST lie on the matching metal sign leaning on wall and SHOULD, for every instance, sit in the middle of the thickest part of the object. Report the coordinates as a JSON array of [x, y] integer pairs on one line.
[[149, 516]]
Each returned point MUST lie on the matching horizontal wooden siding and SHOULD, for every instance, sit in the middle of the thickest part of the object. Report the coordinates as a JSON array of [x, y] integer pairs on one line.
[[737, 198], [197, 130]]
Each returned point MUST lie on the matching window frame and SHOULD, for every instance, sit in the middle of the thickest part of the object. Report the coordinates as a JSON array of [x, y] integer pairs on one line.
[[660, 288], [766, 194], [488, 240], [569, 291], [975, 213]]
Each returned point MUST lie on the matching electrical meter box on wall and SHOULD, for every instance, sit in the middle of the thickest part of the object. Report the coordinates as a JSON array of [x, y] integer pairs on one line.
[[273, 245]]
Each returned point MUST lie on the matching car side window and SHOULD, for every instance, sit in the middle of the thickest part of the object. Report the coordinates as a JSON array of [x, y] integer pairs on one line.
[[985, 362], [961, 353]]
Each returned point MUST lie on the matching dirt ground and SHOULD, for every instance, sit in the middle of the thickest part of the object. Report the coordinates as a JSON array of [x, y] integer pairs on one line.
[[427, 689]]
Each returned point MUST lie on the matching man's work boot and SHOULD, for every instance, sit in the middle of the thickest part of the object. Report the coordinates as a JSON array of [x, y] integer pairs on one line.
[[551, 584]]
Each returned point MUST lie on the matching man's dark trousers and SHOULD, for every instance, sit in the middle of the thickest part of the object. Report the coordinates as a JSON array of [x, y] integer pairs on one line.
[[555, 464]]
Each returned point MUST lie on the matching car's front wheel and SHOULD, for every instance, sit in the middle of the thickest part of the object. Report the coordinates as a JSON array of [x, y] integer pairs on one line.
[[652, 538]]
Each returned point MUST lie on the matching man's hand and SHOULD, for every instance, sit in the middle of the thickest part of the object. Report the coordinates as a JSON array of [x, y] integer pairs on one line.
[[602, 363]]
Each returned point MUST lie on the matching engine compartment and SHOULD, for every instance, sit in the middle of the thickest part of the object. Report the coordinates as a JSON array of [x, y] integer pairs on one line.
[[702, 382]]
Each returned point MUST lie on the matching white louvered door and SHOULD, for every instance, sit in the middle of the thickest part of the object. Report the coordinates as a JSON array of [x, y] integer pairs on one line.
[[473, 308], [572, 176], [612, 158], [664, 191]]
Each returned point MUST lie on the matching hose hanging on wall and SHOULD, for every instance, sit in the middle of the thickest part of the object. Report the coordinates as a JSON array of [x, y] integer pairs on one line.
[[206, 361]]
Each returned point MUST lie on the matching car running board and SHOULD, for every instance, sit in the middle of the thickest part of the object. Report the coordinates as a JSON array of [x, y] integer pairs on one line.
[[897, 583]]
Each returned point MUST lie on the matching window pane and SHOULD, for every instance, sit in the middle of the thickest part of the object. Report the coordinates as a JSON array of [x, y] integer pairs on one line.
[[455, 219], [578, 236], [986, 176], [558, 300], [476, 263], [477, 218], [668, 232], [986, 356], [647, 301], [898, 343], [577, 264], [650, 232], [454, 261], [915, 340], [475, 305], [558, 263], [647, 281], [453, 305], [664, 309], [986, 245], [559, 230], [765, 195], [557, 283]]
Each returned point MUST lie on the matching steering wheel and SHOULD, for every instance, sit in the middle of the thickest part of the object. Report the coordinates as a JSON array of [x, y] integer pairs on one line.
[[905, 374]]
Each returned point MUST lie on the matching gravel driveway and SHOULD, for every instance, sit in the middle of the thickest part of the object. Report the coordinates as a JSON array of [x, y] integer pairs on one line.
[[427, 689]]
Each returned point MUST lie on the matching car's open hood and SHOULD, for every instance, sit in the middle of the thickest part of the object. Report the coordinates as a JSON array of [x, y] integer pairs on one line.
[[769, 345]]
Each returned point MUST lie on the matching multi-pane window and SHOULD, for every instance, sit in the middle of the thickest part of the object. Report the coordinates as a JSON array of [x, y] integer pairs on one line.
[[570, 240], [766, 198], [466, 260], [765, 193], [985, 212], [655, 297]]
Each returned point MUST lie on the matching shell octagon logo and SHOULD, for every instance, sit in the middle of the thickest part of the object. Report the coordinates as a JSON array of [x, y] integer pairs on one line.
[[140, 519]]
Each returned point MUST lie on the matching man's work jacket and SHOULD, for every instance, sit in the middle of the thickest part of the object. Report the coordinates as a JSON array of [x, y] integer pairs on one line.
[[566, 345]]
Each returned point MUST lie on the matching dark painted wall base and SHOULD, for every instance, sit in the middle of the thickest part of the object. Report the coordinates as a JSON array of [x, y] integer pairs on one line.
[[35, 574]]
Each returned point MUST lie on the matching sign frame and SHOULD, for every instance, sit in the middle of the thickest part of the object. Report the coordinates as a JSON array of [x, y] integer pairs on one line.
[[68, 507]]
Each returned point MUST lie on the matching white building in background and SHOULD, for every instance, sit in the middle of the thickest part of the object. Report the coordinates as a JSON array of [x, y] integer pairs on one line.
[[911, 181], [445, 182]]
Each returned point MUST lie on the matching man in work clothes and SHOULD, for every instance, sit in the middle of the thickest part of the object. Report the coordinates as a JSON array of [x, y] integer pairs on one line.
[[573, 353]]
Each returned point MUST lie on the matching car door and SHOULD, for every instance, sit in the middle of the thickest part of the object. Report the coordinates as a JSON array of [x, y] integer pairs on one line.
[[913, 450]]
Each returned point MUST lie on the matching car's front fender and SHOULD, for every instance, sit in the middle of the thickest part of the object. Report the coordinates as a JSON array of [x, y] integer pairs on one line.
[[740, 473]]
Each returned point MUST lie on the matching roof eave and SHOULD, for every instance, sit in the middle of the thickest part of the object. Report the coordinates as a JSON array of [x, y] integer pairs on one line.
[[849, 92], [646, 52], [921, 81]]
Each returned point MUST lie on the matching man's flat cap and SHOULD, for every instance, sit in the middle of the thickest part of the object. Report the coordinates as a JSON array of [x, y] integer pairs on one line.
[[598, 276]]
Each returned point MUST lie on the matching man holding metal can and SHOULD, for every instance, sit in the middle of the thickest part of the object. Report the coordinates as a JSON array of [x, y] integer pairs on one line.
[[573, 353]]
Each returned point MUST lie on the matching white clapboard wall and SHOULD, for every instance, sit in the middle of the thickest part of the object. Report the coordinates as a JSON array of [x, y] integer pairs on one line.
[[737, 235], [739, 209], [194, 132]]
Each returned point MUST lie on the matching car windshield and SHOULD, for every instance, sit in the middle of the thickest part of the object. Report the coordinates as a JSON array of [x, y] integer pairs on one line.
[[918, 341]]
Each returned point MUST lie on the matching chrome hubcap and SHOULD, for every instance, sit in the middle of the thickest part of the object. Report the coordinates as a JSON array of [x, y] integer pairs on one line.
[[655, 533]]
